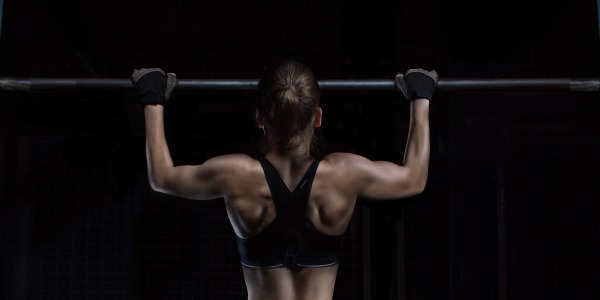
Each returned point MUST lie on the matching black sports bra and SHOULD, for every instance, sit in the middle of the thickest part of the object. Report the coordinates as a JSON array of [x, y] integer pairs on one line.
[[291, 240]]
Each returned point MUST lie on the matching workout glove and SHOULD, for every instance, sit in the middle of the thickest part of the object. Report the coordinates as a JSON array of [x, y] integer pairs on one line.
[[152, 86], [417, 84]]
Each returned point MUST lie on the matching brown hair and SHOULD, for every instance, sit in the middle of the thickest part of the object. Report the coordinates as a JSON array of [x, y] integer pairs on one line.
[[288, 95]]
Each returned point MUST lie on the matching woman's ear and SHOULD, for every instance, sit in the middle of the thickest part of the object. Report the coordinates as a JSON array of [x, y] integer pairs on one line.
[[318, 116], [259, 120]]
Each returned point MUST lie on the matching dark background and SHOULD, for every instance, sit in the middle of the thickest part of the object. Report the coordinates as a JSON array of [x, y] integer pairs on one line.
[[510, 210]]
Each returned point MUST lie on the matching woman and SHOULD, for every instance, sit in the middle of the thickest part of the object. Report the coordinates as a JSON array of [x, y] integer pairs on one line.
[[290, 208]]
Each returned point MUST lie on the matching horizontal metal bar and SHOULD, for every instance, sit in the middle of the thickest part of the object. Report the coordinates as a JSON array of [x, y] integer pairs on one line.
[[376, 85]]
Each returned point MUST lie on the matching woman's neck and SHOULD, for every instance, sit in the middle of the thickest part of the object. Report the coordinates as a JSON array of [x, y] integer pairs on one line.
[[297, 155]]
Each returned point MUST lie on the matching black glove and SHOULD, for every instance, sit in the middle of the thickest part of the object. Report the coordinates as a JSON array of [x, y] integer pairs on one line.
[[417, 84], [152, 86]]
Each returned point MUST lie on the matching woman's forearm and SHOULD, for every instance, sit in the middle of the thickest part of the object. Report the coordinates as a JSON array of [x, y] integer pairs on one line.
[[158, 157], [416, 157]]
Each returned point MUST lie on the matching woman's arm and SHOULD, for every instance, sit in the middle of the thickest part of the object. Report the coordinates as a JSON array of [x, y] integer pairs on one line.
[[386, 180], [205, 181]]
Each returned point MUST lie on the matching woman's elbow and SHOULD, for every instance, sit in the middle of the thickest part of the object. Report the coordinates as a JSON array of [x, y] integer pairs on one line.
[[157, 184], [421, 186], [418, 187]]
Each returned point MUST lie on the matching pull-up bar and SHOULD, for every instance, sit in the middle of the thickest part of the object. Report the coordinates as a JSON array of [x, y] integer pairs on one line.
[[376, 85]]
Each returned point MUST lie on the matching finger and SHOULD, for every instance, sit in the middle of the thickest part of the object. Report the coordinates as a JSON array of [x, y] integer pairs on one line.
[[172, 82], [401, 84], [137, 74], [432, 74], [415, 70]]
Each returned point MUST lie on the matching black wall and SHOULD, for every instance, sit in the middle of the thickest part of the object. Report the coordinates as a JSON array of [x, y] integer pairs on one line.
[[509, 211]]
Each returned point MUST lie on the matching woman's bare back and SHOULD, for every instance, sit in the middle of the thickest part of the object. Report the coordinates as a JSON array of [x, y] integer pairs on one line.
[[290, 283], [251, 210]]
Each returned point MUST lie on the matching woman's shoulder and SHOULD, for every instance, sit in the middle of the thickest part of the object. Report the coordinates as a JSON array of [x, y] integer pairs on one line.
[[343, 159], [234, 162], [347, 169]]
